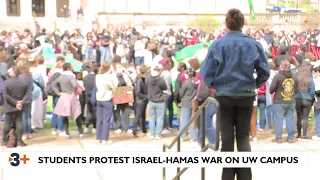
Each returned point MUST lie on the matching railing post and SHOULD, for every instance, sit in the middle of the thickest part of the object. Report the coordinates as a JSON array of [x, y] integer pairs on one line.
[[203, 140], [201, 110], [203, 126], [178, 150], [164, 168]]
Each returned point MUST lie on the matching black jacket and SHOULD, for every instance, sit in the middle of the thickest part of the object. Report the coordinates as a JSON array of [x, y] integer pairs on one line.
[[177, 89], [140, 91], [285, 86], [155, 87], [89, 83], [14, 90]]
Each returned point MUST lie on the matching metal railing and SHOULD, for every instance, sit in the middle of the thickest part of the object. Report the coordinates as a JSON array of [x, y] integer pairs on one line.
[[200, 110]]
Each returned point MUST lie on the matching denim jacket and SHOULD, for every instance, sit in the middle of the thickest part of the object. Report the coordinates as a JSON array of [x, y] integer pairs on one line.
[[309, 94], [230, 65], [37, 77]]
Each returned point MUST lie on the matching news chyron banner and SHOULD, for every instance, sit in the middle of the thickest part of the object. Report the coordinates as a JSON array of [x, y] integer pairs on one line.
[[156, 159]]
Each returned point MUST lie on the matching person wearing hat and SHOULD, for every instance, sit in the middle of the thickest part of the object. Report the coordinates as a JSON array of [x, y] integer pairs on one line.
[[187, 93], [157, 106]]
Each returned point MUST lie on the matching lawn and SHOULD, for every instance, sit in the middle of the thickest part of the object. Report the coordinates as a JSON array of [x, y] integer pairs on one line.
[[72, 124]]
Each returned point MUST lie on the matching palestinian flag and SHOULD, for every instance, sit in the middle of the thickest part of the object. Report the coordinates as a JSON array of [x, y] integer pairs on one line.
[[253, 15]]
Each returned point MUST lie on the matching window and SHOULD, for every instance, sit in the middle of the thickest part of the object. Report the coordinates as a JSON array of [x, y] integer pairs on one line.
[[13, 7], [62, 6], [38, 8]]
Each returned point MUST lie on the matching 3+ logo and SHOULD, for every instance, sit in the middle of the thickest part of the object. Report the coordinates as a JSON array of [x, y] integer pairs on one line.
[[15, 159]]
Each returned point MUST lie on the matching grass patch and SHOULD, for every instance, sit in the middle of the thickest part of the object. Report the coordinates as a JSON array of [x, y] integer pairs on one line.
[[49, 104]]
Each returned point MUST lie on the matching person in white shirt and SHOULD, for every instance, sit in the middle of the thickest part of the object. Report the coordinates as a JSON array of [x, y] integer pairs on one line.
[[106, 82], [172, 39], [166, 75], [122, 51], [148, 57], [139, 48]]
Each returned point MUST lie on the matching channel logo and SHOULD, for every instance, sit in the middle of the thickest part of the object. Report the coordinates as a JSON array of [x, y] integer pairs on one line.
[[15, 159]]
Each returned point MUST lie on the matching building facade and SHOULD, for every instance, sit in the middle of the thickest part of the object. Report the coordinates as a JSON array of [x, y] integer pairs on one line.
[[20, 14]]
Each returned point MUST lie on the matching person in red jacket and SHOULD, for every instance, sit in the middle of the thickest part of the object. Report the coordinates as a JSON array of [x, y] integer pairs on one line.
[[194, 65], [191, 38], [262, 106]]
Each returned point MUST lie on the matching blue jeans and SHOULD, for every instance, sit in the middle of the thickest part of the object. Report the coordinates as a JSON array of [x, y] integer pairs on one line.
[[104, 116], [210, 121], [56, 121], [262, 110], [104, 54], [26, 118], [186, 114], [270, 116], [169, 118], [284, 111], [89, 53], [156, 120], [139, 61], [317, 121]]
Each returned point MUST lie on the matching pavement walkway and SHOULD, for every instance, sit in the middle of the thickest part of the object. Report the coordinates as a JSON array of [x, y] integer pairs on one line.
[[125, 142]]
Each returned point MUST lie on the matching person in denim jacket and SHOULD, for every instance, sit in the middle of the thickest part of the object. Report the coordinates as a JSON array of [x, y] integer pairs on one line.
[[228, 68], [304, 98]]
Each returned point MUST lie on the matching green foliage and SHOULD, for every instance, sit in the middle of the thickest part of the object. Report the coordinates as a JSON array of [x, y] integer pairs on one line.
[[205, 23]]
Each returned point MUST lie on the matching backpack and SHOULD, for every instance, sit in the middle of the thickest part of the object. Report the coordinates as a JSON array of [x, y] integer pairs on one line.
[[49, 91], [11, 140]]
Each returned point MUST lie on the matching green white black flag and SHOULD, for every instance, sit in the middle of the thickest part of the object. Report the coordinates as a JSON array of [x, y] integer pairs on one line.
[[253, 15]]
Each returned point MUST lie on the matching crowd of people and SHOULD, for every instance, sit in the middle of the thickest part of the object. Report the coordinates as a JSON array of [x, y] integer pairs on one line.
[[125, 57], [255, 75]]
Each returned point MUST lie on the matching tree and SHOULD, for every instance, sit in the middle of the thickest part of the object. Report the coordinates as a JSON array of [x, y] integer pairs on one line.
[[205, 23]]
